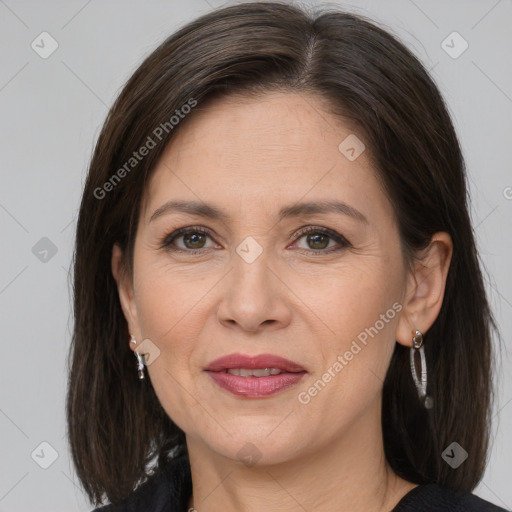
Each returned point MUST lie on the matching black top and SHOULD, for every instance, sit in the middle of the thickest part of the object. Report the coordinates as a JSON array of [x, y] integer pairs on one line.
[[170, 489]]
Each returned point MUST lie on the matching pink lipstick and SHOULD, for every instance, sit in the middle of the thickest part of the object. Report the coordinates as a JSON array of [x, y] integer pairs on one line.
[[255, 376]]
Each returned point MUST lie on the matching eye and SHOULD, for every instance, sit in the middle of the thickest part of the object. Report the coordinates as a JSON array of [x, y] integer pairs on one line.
[[191, 240], [321, 240]]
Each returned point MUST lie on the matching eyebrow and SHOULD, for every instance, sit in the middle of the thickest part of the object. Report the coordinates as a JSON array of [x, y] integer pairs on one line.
[[308, 208]]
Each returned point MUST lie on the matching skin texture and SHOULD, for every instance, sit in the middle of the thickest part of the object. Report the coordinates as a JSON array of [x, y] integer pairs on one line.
[[249, 157]]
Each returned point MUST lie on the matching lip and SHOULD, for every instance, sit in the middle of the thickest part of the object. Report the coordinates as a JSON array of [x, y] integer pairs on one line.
[[252, 362], [255, 387]]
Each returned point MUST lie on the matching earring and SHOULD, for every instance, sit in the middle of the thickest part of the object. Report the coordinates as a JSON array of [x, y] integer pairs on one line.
[[421, 383], [140, 365], [140, 359]]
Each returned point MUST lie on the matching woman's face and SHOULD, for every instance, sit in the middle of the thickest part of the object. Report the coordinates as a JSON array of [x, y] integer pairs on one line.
[[276, 273]]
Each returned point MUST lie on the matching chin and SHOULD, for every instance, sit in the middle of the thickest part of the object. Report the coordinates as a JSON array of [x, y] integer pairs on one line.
[[253, 443]]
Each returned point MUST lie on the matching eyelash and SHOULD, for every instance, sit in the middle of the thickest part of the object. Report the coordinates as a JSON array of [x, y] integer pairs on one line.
[[341, 240]]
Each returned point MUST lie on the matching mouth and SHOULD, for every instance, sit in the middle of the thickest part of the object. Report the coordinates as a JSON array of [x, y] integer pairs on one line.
[[255, 376]]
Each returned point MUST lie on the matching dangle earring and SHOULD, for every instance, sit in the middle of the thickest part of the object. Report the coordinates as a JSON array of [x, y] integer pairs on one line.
[[421, 383], [140, 359]]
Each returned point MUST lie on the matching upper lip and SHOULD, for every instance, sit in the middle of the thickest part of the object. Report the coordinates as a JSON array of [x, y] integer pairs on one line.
[[254, 362]]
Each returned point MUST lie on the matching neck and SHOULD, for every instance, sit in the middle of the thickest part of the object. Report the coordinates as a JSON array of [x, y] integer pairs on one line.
[[347, 473]]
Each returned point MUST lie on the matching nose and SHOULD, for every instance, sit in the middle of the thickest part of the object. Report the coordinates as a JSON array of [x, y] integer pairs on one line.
[[254, 297]]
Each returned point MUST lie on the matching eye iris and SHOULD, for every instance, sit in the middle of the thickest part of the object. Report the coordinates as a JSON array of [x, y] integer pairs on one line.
[[318, 241], [194, 239]]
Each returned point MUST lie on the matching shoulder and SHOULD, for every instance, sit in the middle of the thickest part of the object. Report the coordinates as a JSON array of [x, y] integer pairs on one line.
[[435, 498], [166, 490]]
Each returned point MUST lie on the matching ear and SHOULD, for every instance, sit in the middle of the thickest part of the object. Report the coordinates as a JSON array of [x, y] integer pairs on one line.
[[125, 291], [425, 287]]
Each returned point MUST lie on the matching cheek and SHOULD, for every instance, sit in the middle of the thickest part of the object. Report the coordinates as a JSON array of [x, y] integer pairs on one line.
[[361, 310], [359, 296], [167, 299], [171, 310]]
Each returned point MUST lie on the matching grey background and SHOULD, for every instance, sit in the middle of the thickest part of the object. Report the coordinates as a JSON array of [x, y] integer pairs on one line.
[[51, 111]]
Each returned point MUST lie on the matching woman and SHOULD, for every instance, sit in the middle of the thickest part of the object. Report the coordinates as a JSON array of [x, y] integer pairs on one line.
[[275, 225]]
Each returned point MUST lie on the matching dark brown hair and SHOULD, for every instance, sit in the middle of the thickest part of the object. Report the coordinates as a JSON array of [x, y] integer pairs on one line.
[[117, 427]]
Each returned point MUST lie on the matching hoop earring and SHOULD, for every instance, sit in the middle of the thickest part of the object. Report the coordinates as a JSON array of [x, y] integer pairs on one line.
[[421, 383], [140, 365]]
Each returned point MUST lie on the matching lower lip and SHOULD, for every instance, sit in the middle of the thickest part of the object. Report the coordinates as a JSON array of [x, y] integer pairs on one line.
[[256, 387]]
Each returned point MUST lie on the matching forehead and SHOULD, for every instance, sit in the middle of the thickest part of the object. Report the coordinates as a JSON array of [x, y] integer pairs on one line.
[[277, 147], [236, 126]]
